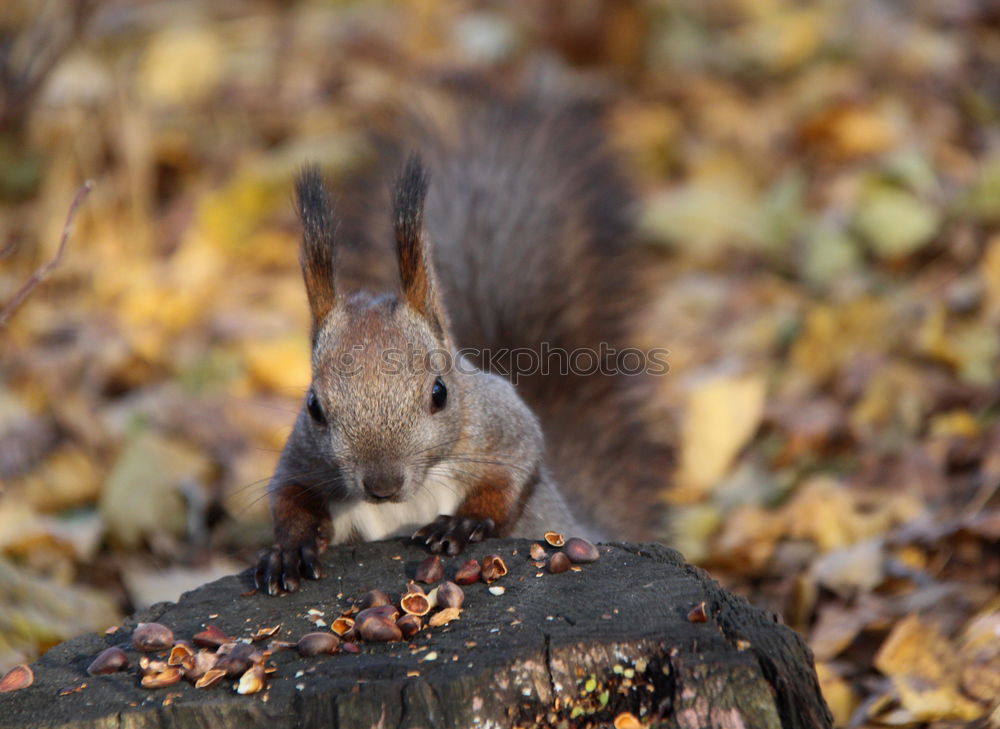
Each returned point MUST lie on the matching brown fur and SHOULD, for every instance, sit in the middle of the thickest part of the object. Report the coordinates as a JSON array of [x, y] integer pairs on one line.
[[531, 246], [533, 242]]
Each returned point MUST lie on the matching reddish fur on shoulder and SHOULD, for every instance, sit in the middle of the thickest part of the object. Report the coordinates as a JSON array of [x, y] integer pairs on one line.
[[299, 514], [497, 498]]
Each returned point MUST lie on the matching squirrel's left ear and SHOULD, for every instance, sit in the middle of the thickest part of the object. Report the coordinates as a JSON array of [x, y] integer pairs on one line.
[[318, 255], [413, 250]]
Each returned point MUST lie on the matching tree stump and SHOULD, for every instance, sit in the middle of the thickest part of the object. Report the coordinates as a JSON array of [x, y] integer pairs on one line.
[[574, 649]]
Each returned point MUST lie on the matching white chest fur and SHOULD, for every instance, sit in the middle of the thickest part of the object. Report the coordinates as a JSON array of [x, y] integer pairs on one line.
[[438, 495]]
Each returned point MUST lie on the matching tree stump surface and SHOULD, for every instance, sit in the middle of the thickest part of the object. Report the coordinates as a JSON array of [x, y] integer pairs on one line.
[[553, 650]]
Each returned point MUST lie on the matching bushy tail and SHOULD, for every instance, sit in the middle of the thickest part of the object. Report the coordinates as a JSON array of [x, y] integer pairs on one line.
[[533, 244]]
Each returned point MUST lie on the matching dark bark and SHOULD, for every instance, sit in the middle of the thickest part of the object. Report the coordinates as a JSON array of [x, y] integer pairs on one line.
[[622, 621]]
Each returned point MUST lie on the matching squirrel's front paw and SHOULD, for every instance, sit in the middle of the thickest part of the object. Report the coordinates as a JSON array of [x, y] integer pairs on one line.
[[281, 569], [451, 534]]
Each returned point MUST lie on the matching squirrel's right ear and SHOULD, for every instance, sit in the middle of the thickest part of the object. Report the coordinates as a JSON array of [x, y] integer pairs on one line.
[[318, 253]]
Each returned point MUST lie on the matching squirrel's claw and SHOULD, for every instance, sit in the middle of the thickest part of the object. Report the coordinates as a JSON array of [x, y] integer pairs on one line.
[[451, 534], [281, 570]]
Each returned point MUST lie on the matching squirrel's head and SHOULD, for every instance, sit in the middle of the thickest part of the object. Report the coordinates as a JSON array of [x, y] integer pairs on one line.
[[384, 403]]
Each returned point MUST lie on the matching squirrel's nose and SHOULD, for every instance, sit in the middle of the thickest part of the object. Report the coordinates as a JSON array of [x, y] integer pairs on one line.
[[381, 486]]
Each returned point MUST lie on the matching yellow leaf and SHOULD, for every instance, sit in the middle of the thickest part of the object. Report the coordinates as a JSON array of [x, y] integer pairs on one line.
[[955, 424], [66, 478], [181, 66], [281, 365], [921, 662], [722, 414], [838, 694], [991, 273]]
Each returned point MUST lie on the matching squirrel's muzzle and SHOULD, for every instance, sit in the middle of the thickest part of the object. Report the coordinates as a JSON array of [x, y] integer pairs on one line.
[[382, 486]]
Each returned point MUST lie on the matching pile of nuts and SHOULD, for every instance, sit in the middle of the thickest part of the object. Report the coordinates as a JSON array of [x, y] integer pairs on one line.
[[212, 655], [376, 618], [205, 660], [575, 551]]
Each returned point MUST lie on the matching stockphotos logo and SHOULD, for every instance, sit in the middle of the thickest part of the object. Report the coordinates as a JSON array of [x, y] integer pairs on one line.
[[510, 363]]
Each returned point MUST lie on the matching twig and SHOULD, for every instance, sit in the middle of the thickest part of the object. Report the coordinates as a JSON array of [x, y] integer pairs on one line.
[[45, 269]]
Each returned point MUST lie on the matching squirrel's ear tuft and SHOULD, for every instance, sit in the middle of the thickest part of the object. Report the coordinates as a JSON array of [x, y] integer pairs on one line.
[[318, 253], [412, 248]]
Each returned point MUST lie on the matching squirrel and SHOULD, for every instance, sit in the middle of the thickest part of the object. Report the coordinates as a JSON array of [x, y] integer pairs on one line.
[[511, 230]]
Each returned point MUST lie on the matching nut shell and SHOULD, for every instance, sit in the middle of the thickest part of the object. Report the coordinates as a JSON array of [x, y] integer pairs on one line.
[[162, 679], [373, 598], [152, 637], [210, 678], [450, 595], [430, 570], [443, 617], [698, 614], [580, 551], [493, 567], [17, 678], [211, 637], [409, 625], [342, 625], [110, 660], [415, 603], [252, 680], [314, 644], [179, 653], [378, 629], [558, 563], [555, 539], [388, 612], [468, 573]]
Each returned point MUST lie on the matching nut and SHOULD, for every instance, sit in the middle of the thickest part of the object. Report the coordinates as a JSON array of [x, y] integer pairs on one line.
[[373, 598], [450, 595], [493, 567], [109, 660], [555, 539], [415, 603], [313, 644], [378, 629], [580, 551], [152, 637], [537, 552], [18, 677], [211, 637], [430, 570], [468, 573], [409, 625], [558, 562]]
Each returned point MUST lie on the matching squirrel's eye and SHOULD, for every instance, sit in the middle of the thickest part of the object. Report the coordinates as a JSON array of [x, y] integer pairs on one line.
[[439, 395], [315, 409]]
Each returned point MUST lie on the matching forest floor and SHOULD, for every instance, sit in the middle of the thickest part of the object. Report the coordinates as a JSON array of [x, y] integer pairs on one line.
[[818, 185]]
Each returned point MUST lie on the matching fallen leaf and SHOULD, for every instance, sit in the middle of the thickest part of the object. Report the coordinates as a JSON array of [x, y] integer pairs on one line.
[[722, 414]]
